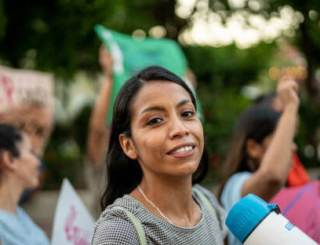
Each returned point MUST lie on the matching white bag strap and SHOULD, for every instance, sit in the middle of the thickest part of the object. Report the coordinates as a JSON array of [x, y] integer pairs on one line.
[[137, 225], [206, 202]]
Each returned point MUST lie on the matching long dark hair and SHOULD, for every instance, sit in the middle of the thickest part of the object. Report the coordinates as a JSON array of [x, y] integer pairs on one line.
[[255, 123], [123, 173]]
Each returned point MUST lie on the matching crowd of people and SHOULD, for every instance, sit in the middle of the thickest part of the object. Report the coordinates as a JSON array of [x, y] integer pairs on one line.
[[154, 158]]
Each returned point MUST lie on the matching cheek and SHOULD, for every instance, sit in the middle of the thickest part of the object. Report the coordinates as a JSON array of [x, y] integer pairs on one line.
[[153, 143], [148, 146], [32, 161], [197, 131]]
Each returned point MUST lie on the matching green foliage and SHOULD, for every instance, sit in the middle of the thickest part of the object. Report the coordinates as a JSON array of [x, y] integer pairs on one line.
[[61, 31], [3, 20], [229, 66], [309, 131], [65, 154], [307, 37], [58, 37]]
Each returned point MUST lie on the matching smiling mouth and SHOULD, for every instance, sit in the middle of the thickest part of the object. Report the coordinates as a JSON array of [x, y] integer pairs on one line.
[[182, 150]]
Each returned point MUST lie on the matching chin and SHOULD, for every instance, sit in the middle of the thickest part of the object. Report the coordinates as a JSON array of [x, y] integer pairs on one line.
[[189, 169], [34, 184]]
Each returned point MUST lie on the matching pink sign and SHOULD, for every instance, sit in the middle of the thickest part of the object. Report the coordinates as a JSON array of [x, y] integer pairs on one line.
[[73, 225]]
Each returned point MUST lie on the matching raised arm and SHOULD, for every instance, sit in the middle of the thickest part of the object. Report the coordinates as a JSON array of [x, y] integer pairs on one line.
[[275, 165], [98, 130]]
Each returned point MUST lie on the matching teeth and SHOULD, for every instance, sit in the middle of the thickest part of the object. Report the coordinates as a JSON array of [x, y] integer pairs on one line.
[[182, 150]]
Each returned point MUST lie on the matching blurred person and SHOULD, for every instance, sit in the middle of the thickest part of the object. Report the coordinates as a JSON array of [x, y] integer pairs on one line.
[[37, 122], [260, 154], [19, 170], [33, 119], [98, 129], [298, 175], [154, 159], [98, 133]]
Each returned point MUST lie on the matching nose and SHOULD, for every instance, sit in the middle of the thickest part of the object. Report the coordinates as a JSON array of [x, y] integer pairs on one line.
[[177, 128]]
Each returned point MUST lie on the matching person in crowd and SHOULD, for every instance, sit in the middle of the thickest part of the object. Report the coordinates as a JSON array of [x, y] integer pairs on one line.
[[298, 175], [98, 133], [34, 119], [98, 128], [19, 170], [259, 158], [153, 166]]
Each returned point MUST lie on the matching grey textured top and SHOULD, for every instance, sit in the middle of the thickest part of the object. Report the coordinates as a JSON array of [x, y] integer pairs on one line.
[[114, 227]]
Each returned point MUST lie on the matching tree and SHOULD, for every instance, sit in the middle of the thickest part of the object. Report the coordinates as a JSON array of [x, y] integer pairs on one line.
[[57, 36], [308, 31]]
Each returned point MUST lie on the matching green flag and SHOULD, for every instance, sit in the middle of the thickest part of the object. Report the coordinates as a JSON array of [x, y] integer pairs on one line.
[[131, 55]]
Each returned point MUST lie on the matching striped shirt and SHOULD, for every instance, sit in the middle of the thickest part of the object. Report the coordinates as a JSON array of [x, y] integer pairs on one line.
[[114, 227]]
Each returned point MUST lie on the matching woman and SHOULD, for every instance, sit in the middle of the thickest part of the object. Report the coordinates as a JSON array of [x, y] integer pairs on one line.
[[154, 156], [19, 170], [298, 175], [259, 158]]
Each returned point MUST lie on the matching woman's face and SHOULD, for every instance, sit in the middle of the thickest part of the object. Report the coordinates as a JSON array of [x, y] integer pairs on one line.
[[167, 135], [28, 164]]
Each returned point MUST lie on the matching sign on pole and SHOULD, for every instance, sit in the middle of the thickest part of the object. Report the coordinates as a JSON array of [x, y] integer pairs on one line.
[[73, 225]]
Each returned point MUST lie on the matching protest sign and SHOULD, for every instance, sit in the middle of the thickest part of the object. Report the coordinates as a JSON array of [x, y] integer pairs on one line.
[[73, 225], [20, 87], [131, 55], [27, 102]]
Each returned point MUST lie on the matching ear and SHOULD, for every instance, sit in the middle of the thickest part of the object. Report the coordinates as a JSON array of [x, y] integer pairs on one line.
[[8, 161], [128, 147], [254, 150]]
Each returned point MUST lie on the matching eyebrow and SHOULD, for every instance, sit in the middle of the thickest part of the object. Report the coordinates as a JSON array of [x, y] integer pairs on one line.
[[159, 108]]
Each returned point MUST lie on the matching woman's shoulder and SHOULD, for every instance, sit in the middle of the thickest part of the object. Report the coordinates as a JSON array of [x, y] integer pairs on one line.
[[14, 228], [114, 230], [213, 201], [129, 203], [114, 226], [207, 193]]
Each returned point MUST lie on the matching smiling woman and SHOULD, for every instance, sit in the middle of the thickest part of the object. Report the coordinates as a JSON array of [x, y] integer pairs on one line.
[[154, 157]]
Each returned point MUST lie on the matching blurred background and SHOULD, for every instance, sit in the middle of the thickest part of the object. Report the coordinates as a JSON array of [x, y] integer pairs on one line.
[[236, 49]]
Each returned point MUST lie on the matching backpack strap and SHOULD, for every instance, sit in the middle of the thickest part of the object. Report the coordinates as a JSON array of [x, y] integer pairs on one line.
[[206, 202], [137, 225]]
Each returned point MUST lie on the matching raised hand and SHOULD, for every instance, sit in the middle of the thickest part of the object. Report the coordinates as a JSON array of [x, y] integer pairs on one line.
[[287, 91], [106, 61]]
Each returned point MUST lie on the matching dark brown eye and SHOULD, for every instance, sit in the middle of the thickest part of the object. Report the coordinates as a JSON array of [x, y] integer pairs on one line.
[[188, 114], [154, 121]]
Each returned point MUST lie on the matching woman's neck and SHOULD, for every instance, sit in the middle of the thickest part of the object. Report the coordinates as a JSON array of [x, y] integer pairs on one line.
[[172, 197], [9, 196]]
